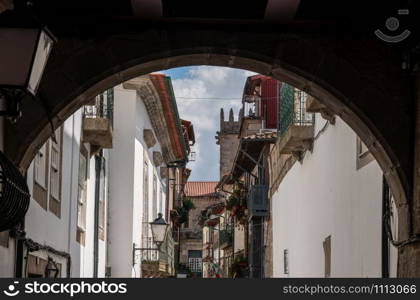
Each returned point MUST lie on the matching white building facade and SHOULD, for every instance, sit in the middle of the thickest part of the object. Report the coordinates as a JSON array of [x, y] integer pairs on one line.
[[97, 184], [327, 210], [138, 181], [64, 231]]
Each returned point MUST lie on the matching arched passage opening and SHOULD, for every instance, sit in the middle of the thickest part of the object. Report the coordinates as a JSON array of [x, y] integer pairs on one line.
[[342, 75], [327, 94]]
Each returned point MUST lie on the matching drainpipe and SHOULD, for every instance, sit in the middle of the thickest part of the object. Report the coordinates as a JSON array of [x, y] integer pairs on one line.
[[98, 168], [233, 240], [69, 228], [19, 251]]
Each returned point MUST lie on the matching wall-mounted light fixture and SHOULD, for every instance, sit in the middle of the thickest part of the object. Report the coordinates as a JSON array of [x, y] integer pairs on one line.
[[25, 49], [51, 269], [159, 228]]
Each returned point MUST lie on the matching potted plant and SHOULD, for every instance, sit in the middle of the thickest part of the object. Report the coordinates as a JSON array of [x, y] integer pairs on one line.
[[183, 210], [231, 202], [239, 268]]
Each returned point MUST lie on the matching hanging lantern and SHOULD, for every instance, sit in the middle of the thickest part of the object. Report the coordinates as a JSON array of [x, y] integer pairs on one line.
[[25, 48], [51, 269], [159, 228]]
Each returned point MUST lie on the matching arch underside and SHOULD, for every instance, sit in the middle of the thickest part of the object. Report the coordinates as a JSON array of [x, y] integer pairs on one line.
[[360, 80]]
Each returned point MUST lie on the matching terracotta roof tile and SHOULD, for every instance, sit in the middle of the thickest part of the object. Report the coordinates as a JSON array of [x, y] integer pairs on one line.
[[200, 188]]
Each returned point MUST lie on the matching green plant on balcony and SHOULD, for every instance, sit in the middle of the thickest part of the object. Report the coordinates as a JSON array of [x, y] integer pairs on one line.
[[241, 215], [236, 203], [239, 267], [232, 202], [183, 210]]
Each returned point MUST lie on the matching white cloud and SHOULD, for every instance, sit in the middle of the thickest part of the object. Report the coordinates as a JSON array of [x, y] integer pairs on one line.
[[208, 82]]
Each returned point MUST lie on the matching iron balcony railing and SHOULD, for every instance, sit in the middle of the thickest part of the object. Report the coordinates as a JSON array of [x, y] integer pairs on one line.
[[152, 254], [148, 253], [102, 108], [251, 105], [293, 109], [191, 235]]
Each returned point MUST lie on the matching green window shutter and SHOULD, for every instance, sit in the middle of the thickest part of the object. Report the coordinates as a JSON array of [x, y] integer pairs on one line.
[[286, 113]]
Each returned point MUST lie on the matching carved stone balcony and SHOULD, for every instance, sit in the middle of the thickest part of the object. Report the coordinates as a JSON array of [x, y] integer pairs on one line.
[[296, 139], [97, 132], [97, 122], [314, 106]]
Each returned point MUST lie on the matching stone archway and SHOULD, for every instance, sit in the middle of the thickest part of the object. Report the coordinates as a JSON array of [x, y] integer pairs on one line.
[[360, 80]]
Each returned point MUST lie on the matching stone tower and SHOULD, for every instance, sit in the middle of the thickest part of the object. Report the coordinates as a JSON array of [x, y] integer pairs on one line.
[[228, 140]]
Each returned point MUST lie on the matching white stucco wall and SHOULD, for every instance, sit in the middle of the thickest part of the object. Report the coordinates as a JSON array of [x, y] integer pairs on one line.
[[44, 227], [126, 182], [326, 195], [7, 260], [121, 181]]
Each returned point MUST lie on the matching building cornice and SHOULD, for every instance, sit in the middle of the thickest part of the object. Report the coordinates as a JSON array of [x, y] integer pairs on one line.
[[147, 92]]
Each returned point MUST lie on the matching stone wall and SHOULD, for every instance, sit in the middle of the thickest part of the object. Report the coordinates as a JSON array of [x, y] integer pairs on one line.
[[228, 140], [191, 235]]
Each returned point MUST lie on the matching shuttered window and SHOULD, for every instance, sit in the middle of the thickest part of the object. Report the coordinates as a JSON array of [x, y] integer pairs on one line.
[[155, 200], [327, 255], [363, 155], [102, 199], [81, 203], [145, 221], [55, 176], [40, 167]]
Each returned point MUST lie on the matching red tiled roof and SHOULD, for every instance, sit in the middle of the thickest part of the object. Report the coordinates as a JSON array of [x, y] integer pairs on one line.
[[200, 188], [158, 81]]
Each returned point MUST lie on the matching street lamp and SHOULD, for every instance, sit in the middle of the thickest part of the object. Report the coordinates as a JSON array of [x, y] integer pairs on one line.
[[25, 48], [51, 269], [159, 228]]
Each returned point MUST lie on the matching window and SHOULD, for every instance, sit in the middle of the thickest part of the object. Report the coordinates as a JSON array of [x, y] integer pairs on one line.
[[102, 199], [159, 205], [4, 239], [286, 261], [145, 224], [327, 256], [162, 198], [81, 197], [36, 267], [55, 166], [155, 200], [363, 154], [195, 261], [56, 173], [40, 187], [40, 167]]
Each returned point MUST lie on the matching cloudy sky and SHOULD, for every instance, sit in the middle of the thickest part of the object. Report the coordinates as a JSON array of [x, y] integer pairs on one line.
[[192, 83]]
